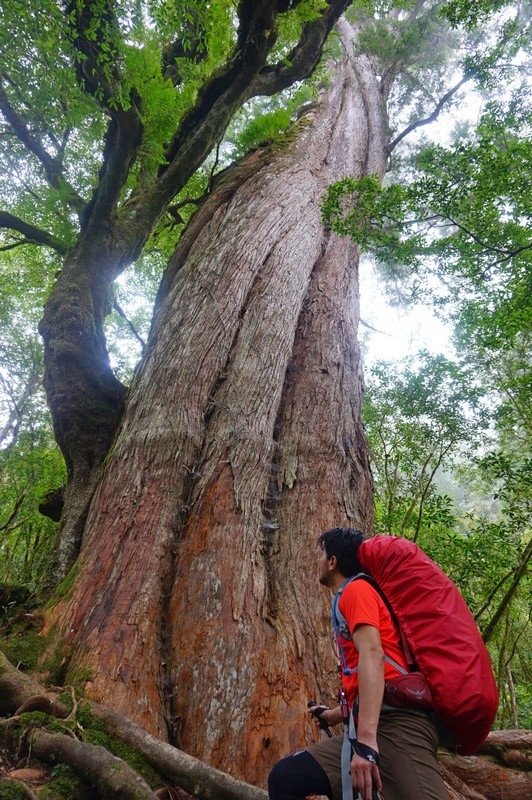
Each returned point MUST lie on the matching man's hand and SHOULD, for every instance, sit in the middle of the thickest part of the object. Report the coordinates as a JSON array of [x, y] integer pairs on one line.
[[331, 716], [365, 775]]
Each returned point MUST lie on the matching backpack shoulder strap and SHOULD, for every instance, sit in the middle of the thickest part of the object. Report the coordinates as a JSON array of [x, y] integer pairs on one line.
[[339, 622], [341, 628]]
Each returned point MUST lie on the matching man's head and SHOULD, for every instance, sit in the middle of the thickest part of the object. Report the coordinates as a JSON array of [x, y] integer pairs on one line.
[[339, 548]]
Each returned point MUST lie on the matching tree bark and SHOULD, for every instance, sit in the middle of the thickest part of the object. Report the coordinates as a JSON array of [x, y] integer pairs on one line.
[[501, 770], [84, 395], [85, 399], [195, 608]]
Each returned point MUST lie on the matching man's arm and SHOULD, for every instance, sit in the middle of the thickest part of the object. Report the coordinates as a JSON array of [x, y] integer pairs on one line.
[[370, 691]]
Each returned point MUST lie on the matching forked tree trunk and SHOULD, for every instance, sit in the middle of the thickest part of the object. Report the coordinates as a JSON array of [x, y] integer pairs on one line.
[[196, 607]]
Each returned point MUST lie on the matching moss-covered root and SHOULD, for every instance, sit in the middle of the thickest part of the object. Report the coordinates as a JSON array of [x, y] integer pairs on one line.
[[16, 790], [16, 688], [179, 768], [111, 776]]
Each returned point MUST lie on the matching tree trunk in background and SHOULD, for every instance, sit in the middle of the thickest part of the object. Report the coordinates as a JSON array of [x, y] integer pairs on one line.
[[86, 398], [196, 607]]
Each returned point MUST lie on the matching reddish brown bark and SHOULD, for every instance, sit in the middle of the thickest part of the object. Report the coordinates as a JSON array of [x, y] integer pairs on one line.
[[196, 608], [502, 775], [501, 770]]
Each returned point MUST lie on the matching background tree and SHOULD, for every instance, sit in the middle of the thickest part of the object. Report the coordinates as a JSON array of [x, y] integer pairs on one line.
[[439, 483], [465, 219], [29, 461], [247, 397]]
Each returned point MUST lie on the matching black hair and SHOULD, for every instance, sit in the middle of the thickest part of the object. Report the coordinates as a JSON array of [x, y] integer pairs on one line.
[[343, 543]]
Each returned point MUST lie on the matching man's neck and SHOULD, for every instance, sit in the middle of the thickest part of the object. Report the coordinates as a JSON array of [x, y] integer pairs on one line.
[[337, 580]]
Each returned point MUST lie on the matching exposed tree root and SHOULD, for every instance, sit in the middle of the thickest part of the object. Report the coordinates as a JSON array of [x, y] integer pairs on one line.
[[491, 780], [20, 693], [192, 775], [94, 764], [502, 770]]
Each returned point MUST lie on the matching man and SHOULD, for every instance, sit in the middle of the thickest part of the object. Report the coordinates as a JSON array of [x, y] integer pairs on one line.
[[395, 750]]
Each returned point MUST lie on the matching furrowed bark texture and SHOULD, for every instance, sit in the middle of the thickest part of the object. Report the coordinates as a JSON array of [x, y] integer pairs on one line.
[[196, 607], [85, 399]]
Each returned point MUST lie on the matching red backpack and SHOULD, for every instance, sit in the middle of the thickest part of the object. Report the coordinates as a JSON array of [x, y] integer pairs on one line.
[[442, 634]]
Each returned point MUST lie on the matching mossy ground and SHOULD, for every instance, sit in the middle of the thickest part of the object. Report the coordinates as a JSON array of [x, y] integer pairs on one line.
[[12, 790], [23, 647], [65, 785]]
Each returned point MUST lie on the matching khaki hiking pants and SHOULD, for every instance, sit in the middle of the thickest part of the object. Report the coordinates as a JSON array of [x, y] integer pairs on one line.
[[408, 767]]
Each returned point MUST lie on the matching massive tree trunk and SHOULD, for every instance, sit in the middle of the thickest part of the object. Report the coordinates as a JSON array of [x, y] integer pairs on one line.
[[196, 608], [85, 399]]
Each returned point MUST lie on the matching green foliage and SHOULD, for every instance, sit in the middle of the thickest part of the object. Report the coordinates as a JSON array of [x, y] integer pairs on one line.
[[463, 12], [469, 209], [12, 790], [290, 26], [419, 417], [461, 210], [397, 40], [30, 463], [266, 120], [40, 83], [424, 424], [362, 209]]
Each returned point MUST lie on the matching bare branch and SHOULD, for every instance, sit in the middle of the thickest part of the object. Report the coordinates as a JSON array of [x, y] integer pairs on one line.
[[484, 607], [18, 502], [431, 118], [33, 234], [121, 313], [476, 238], [16, 243]]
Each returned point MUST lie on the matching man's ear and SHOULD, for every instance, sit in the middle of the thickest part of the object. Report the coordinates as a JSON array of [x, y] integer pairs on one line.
[[333, 563]]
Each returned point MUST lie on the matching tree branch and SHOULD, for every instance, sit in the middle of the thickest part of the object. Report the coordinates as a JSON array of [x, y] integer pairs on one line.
[[16, 507], [217, 101], [431, 118], [52, 167], [492, 594], [303, 57], [33, 234], [487, 632], [121, 313], [428, 484], [95, 32]]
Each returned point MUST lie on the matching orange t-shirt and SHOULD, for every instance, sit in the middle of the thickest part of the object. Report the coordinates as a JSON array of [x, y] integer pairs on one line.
[[361, 604]]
